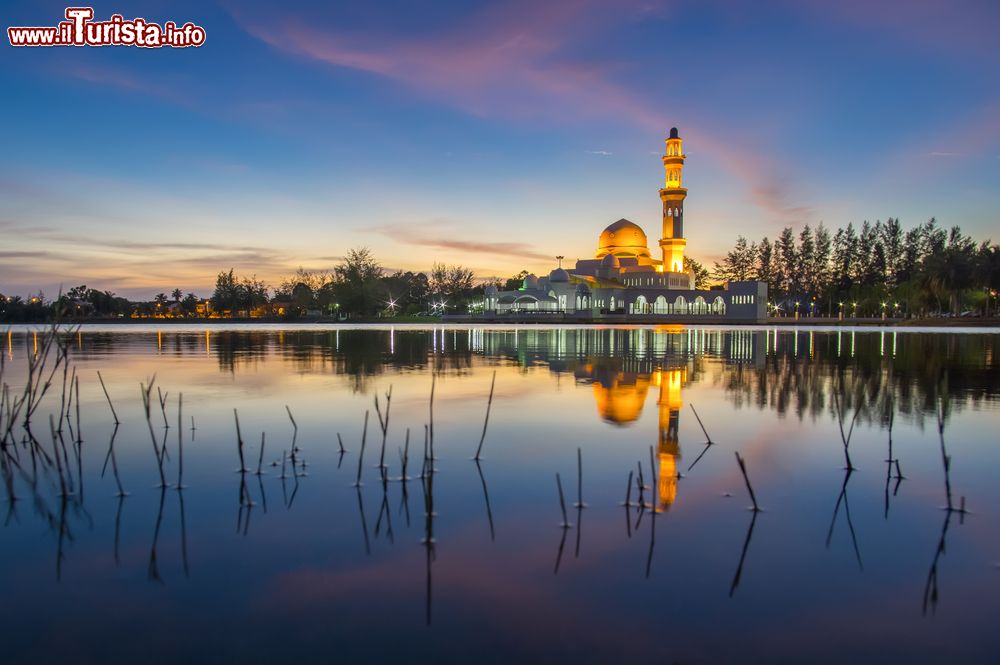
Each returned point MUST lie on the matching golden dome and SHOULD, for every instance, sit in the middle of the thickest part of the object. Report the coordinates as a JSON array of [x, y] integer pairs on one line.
[[623, 233], [623, 239]]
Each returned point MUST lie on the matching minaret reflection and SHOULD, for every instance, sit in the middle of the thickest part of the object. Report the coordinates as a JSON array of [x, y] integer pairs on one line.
[[669, 449], [620, 395]]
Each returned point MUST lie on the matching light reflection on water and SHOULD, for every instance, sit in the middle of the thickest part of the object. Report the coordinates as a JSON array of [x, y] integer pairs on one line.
[[862, 565]]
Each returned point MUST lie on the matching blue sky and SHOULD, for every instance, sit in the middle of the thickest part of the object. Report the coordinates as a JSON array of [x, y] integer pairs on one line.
[[495, 135]]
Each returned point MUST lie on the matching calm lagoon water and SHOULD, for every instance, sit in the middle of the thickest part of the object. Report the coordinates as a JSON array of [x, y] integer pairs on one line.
[[838, 567]]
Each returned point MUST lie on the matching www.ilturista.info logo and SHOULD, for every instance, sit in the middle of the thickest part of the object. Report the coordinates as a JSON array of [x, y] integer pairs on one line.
[[79, 29]]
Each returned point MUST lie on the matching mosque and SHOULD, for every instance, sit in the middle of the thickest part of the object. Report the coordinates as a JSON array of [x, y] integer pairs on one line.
[[624, 282]]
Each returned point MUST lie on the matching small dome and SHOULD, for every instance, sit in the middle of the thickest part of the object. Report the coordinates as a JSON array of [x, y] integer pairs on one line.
[[491, 289], [611, 261], [673, 133], [558, 275], [530, 282]]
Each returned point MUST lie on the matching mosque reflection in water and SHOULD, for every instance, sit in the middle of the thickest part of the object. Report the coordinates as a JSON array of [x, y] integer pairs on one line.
[[624, 366], [621, 397], [795, 372], [621, 365]]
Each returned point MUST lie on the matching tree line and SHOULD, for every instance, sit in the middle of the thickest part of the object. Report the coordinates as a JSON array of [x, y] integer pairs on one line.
[[358, 286], [83, 301], [920, 271]]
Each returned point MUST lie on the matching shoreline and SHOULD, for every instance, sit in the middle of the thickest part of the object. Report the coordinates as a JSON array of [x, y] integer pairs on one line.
[[783, 322]]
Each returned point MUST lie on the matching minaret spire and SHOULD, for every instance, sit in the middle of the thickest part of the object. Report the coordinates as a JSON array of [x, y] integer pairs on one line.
[[672, 195]]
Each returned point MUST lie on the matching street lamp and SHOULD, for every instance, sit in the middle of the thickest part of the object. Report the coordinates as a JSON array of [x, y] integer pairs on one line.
[[840, 316], [883, 310]]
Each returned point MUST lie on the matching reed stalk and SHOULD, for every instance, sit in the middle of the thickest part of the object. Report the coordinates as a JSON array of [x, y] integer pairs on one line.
[[746, 478], [486, 420]]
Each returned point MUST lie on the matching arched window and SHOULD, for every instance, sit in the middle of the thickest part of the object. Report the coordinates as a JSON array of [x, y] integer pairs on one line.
[[699, 306], [660, 305], [640, 306], [718, 306], [680, 305]]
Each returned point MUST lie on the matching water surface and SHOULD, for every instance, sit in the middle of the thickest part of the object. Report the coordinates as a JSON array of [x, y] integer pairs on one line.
[[471, 561]]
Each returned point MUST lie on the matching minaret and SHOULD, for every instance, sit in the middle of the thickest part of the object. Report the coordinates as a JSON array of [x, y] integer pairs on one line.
[[673, 194]]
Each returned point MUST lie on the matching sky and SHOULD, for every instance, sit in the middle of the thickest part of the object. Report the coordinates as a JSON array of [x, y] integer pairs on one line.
[[491, 135]]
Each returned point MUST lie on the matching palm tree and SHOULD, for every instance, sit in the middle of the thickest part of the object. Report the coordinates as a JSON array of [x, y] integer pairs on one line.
[[177, 295]]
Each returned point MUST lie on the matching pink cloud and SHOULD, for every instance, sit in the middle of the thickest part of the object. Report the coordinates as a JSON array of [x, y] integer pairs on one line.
[[445, 238], [514, 61], [504, 60]]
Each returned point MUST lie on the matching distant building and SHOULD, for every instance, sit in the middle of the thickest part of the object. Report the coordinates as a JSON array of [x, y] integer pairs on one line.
[[624, 281]]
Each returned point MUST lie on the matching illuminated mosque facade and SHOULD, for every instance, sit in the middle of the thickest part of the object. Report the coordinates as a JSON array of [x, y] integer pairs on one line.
[[625, 282]]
